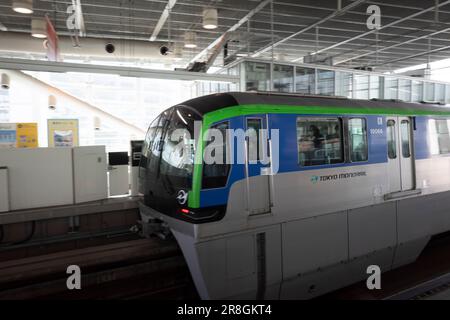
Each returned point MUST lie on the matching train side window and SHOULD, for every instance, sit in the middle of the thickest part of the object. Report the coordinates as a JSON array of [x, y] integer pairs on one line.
[[215, 174], [255, 126], [391, 142], [404, 130], [319, 141], [442, 136], [357, 130]]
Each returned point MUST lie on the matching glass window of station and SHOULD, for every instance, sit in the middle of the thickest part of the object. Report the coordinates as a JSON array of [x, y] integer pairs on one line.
[[356, 85]]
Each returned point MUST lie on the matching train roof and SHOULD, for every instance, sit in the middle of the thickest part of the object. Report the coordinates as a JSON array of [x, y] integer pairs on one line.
[[218, 101]]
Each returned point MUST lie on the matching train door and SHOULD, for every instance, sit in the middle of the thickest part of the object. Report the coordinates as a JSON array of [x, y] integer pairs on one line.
[[257, 180], [400, 154]]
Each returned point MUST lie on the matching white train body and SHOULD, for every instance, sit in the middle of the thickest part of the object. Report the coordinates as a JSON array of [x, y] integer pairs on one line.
[[319, 222]]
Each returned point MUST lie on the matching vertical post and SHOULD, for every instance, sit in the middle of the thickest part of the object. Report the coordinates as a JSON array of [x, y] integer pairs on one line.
[[316, 91], [242, 76], [353, 85], [272, 47], [423, 90], [317, 38], [436, 11], [294, 88], [411, 90]]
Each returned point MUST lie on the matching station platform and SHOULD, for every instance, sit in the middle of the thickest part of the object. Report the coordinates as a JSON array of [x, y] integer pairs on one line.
[[31, 232], [105, 205]]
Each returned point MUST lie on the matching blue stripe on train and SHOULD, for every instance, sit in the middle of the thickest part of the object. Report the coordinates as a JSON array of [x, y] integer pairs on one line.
[[288, 153]]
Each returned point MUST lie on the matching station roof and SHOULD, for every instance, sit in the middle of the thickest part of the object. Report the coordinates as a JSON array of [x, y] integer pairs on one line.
[[412, 31]]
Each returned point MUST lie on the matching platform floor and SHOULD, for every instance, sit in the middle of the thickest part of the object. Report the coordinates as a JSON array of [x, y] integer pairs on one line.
[[105, 205]]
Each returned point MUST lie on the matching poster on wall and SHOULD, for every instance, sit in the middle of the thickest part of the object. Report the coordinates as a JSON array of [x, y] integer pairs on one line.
[[7, 135], [62, 132], [18, 135], [27, 135]]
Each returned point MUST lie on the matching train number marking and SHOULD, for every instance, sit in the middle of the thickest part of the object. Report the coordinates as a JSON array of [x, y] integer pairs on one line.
[[377, 131]]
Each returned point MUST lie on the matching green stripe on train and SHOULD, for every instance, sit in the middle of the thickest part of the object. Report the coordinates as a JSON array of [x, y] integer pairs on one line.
[[249, 109]]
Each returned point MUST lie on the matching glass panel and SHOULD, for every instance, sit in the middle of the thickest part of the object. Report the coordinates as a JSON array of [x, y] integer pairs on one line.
[[234, 71], [404, 130], [390, 88], [357, 130], [404, 90], [254, 126], [374, 92], [215, 175], [392, 143], [443, 136], [417, 91], [440, 92], [179, 147], [154, 142], [447, 94], [344, 84], [429, 91], [150, 137], [361, 86], [283, 78], [319, 141], [257, 76], [325, 82], [305, 80]]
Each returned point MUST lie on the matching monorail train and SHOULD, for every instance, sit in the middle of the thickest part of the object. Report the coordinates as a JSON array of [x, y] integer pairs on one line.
[[358, 183]]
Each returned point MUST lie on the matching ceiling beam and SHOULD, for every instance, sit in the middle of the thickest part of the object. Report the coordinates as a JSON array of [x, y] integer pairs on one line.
[[233, 28], [162, 19], [330, 16], [412, 56], [392, 46], [49, 66], [381, 28]]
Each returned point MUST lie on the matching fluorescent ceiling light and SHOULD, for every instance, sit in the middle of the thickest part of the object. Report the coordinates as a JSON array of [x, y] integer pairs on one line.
[[23, 6], [39, 28], [210, 18], [190, 39]]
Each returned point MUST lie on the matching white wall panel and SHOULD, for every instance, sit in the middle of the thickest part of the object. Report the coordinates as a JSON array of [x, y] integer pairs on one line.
[[39, 177], [90, 173]]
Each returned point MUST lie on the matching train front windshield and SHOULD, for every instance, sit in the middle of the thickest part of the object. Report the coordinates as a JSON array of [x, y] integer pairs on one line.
[[167, 162]]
